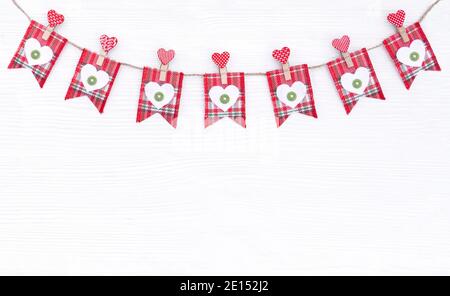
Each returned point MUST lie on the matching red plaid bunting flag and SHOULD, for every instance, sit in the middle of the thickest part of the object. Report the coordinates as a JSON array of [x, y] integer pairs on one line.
[[93, 81], [160, 97], [225, 100], [413, 57], [357, 82], [37, 54], [289, 97]]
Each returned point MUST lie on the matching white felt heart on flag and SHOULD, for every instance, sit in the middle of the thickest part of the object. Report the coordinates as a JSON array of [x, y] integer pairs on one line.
[[37, 54], [293, 95], [358, 82], [159, 95], [224, 98], [414, 55], [93, 79]]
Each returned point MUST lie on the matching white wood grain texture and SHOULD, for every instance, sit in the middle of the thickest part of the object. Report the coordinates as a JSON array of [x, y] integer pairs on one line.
[[84, 194]]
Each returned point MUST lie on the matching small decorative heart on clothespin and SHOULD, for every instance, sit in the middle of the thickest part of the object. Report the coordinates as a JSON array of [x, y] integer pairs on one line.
[[165, 56], [54, 18], [283, 57], [343, 44], [108, 43], [398, 20], [221, 59]]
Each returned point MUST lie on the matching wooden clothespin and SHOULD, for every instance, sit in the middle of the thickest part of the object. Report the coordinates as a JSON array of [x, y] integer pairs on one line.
[[221, 60], [343, 44], [283, 57], [165, 56], [398, 20], [107, 43], [54, 19]]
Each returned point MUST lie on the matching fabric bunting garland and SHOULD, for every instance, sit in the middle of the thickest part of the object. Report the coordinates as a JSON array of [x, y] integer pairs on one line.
[[291, 88]]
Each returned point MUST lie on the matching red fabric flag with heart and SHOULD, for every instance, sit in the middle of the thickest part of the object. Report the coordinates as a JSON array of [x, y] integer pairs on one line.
[[224, 99], [93, 80], [161, 96], [414, 56], [290, 96], [37, 53], [355, 82]]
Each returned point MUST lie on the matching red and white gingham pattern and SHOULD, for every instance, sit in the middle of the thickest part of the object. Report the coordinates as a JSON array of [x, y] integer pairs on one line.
[[98, 97], [171, 110], [282, 55], [56, 42], [221, 59], [339, 67], [214, 113], [54, 18], [397, 19], [407, 73], [342, 44], [277, 78]]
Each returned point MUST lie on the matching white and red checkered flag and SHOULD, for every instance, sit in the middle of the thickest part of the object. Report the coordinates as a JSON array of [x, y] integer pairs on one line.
[[292, 95], [412, 54], [95, 75], [354, 75], [161, 92], [40, 48], [224, 93]]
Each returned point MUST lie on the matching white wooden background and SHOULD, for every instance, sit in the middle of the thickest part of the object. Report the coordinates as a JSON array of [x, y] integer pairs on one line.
[[89, 194]]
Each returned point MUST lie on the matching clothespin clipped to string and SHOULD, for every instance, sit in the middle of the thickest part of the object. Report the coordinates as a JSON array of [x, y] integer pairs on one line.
[[54, 19], [398, 20], [221, 60], [107, 43], [283, 57], [165, 56], [343, 44]]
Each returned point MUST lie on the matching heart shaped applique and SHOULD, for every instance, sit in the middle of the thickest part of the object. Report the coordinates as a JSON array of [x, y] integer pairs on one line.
[[221, 59], [293, 95], [342, 44], [414, 55], [93, 79], [282, 55], [54, 18], [108, 43], [166, 56], [159, 95], [356, 83], [397, 19], [224, 98], [37, 54]]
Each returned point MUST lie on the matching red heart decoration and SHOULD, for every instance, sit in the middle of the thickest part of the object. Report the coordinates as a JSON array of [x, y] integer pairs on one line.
[[166, 56], [282, 55], [108, 43], [54, 18], [397, 19], [221, 59], [342, 44]]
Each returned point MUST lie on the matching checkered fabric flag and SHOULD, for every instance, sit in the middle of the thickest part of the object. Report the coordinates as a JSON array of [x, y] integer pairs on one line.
[[413, 57], [37, 54], [160, 97], [357, 82], [296, 96], [93, 81], [225, 100]]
